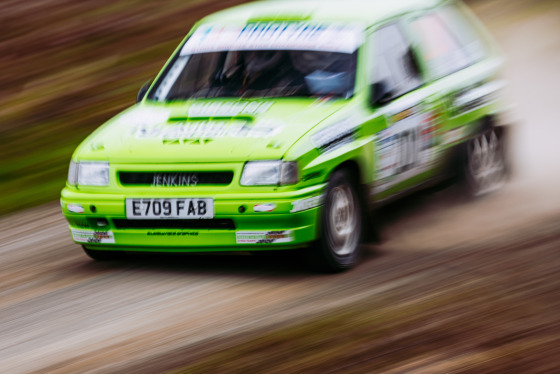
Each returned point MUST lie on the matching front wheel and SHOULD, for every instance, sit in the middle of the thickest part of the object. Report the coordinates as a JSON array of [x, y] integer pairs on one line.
[[338, 248]]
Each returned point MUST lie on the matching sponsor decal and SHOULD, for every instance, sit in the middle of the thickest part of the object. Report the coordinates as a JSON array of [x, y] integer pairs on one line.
[[264, 237], [334, 136], [75, 208], [275, 36], [185, 132], [175, 180], [406, 148], [403, 115], [476, 97], [219, 109], [306, 204], [172, 233], [264, 208], [90, 236]]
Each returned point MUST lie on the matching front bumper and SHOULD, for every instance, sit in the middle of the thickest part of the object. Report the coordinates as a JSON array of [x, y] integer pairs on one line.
[[98, 221]]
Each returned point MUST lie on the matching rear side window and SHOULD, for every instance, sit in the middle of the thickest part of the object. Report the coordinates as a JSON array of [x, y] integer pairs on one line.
[[392, 63], [464, 31], [447, 41]]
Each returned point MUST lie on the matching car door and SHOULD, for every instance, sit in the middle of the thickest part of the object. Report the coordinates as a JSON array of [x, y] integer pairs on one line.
[[448, 47], [406, 150]]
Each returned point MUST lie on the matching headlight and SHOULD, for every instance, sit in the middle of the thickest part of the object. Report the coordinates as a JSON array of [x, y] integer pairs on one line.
[[73, 173], [269, 173], [89, 174]]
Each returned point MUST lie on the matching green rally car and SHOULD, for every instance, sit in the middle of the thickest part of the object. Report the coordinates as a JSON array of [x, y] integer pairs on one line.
[[283, 124]]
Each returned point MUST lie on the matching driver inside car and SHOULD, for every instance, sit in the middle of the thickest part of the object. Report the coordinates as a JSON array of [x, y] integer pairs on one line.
[[265, 72]]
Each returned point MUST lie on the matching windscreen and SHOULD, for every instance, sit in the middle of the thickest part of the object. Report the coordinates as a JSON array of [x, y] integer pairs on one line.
[[265, 73], [264, 60]]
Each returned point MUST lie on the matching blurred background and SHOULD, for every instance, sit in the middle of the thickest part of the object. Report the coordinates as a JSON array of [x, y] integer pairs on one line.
[[465, 287], [68, 66]]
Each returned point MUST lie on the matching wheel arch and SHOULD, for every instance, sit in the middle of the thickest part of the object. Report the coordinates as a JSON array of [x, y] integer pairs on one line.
[[352, 166]]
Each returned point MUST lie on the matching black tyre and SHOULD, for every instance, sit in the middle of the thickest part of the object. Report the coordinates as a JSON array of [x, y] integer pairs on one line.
[[486, 167], [338, 248], [103, 255]]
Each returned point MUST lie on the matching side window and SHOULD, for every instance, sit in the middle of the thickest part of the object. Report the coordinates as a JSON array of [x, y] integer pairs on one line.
[[447, 42], [393, 63], [464, 31]]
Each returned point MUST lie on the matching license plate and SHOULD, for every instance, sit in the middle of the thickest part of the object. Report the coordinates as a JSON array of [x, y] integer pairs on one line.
[[169, 208]]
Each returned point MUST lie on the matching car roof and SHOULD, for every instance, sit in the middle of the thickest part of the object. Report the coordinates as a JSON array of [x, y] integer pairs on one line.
[[366, 12]]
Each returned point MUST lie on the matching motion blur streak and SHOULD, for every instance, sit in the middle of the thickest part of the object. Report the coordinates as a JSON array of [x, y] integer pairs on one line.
[[455, 287], [68, 66]]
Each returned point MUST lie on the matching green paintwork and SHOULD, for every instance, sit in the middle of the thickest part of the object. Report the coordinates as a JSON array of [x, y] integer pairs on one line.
[[293, 125]]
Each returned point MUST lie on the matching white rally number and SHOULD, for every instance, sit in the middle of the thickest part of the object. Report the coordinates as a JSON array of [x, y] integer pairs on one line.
[[405, 149]]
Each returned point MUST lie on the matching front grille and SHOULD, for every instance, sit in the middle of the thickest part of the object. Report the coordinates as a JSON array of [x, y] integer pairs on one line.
[[175, 179], [208, 224]]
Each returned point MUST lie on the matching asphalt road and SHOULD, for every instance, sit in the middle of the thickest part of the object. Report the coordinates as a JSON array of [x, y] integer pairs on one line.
[[61, 312]]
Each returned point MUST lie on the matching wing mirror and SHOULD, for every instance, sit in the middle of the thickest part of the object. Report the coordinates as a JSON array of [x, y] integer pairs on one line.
[[380, 93], [411, 63], [143, 90]]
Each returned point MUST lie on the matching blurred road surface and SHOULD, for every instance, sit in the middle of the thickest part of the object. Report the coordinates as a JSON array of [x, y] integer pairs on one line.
[[61, 312]]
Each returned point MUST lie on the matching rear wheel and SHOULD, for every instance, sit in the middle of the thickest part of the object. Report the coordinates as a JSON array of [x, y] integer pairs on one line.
[[338, 248], [103, 255], [486, 166]]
